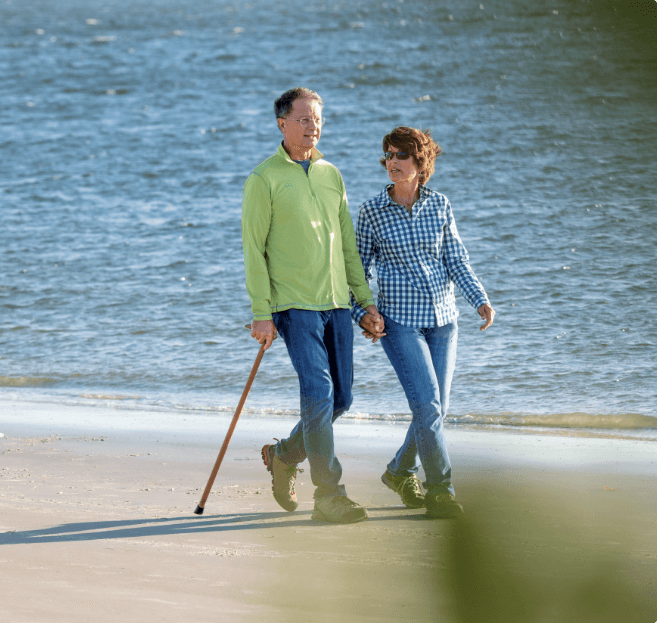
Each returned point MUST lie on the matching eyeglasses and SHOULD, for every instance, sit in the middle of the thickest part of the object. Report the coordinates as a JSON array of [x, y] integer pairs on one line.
[[306, 122], [400, 155]]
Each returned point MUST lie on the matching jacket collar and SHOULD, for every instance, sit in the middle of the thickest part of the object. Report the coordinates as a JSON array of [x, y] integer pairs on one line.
[[315, 154]]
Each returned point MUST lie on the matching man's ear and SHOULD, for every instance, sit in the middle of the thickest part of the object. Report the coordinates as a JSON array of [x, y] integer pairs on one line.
[[281, 123]]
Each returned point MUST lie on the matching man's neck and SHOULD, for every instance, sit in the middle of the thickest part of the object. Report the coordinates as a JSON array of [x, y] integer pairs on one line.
[[298, 153]]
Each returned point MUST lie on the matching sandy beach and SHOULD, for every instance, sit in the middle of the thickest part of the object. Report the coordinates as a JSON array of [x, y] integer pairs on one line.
[[97, 523]]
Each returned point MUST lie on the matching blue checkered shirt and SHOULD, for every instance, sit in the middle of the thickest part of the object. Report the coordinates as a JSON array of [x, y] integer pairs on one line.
[[418, 260]]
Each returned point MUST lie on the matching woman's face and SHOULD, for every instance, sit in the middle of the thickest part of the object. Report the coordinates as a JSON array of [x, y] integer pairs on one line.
[[404, 171]]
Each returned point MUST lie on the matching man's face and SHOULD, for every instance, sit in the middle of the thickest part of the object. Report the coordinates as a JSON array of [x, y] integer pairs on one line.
[[295, 136]]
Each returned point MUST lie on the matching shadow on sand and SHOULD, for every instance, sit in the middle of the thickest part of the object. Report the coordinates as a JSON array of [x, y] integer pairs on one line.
[[170, 526]]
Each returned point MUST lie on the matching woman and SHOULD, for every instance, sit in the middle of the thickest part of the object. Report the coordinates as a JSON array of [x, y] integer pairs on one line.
[[408, 233]]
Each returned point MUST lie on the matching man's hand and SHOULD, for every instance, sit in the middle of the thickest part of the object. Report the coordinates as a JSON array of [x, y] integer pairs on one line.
[[487, 313], [373, 324], [264, 331]]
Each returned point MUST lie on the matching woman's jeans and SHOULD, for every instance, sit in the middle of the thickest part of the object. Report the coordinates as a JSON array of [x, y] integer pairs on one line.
[[424, 361], [320, 345]]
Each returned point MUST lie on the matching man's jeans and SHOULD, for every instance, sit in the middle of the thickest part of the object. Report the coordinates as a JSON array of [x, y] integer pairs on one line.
[[424, 361], [320, 345]]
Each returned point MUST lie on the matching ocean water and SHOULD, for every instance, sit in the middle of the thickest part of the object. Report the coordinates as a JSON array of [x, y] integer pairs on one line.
[[127, 130]]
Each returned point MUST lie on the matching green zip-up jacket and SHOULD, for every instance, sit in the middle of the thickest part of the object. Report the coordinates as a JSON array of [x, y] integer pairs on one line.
[[299, 242]]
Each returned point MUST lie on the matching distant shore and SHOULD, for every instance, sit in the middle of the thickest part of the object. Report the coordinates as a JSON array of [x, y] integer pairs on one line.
[[96, 521]]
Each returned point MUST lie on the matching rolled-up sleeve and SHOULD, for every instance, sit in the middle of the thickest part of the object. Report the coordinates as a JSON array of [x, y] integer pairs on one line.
[[457, 261]]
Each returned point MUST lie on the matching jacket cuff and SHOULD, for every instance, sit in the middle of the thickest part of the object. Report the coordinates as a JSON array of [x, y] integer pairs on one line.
[[259, 317]]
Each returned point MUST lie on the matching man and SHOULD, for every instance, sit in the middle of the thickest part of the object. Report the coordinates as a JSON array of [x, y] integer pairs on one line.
[[301, 259]]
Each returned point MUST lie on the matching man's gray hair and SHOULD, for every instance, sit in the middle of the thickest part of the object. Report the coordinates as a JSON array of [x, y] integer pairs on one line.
[[283, 105]]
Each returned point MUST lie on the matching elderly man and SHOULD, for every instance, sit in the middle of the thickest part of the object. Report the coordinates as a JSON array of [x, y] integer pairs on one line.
[[301, 259]]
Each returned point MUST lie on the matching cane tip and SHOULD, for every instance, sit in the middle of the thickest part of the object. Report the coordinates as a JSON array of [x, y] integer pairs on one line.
[[199, 510]]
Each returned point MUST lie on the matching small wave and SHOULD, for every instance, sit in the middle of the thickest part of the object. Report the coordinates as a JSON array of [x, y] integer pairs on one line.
[[622, 421], [25, 381], [108, 397]]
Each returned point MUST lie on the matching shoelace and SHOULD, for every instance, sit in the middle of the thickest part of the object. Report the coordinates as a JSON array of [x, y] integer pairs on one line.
[[292, 471], [413, 483], [294, 468], [345, 501]]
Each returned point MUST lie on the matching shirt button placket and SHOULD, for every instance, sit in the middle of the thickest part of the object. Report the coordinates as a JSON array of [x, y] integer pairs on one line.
[[414, 237]]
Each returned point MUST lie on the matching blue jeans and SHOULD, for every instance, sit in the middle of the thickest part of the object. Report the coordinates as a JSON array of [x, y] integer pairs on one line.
[[424, 361], [320, 345]]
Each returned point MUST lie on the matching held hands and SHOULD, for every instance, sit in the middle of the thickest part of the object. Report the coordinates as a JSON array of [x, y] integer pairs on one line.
[[264, 331], [487, 314], [372, 323]]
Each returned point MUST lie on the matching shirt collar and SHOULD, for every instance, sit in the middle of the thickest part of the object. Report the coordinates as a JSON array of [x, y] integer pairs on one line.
[[315, 154], [385, 200], [424, 192]]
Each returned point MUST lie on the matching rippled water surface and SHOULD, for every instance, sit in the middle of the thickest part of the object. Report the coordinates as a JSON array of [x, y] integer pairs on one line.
[[127, 131]]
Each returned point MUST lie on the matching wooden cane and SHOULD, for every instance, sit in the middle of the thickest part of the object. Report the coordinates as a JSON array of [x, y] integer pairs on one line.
[[229, 434]]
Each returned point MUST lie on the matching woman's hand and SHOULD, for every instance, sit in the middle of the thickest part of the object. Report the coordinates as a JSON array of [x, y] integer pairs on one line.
[[373, 324], [487, 313]]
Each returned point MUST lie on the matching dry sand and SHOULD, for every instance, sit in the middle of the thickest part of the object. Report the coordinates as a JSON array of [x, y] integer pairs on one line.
[[97, 524]]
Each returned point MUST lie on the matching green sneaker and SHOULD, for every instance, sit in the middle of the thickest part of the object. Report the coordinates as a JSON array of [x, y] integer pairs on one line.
[[442, 506], [283, 477], [338, 509], [408, 488]]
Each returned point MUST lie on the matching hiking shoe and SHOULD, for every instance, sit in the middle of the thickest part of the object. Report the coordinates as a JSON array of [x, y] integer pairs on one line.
[[338, 509], [408, 488], [442, 506], [282, 478]]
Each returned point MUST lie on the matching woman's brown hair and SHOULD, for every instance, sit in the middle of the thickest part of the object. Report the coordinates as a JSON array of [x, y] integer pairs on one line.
[[417, 143]]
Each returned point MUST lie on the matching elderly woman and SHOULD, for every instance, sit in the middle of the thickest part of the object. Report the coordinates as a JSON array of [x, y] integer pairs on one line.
[[408, 232]]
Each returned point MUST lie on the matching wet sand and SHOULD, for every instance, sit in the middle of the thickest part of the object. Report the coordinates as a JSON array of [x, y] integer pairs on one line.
[[97, 523]]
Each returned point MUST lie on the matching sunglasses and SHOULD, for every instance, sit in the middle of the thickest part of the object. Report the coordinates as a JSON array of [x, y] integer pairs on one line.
[[401, 155]]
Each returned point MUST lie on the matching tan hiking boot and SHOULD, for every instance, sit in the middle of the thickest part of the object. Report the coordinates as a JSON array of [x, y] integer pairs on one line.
[[442, 506], [283, 477], [338, 509], [408, 488]]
